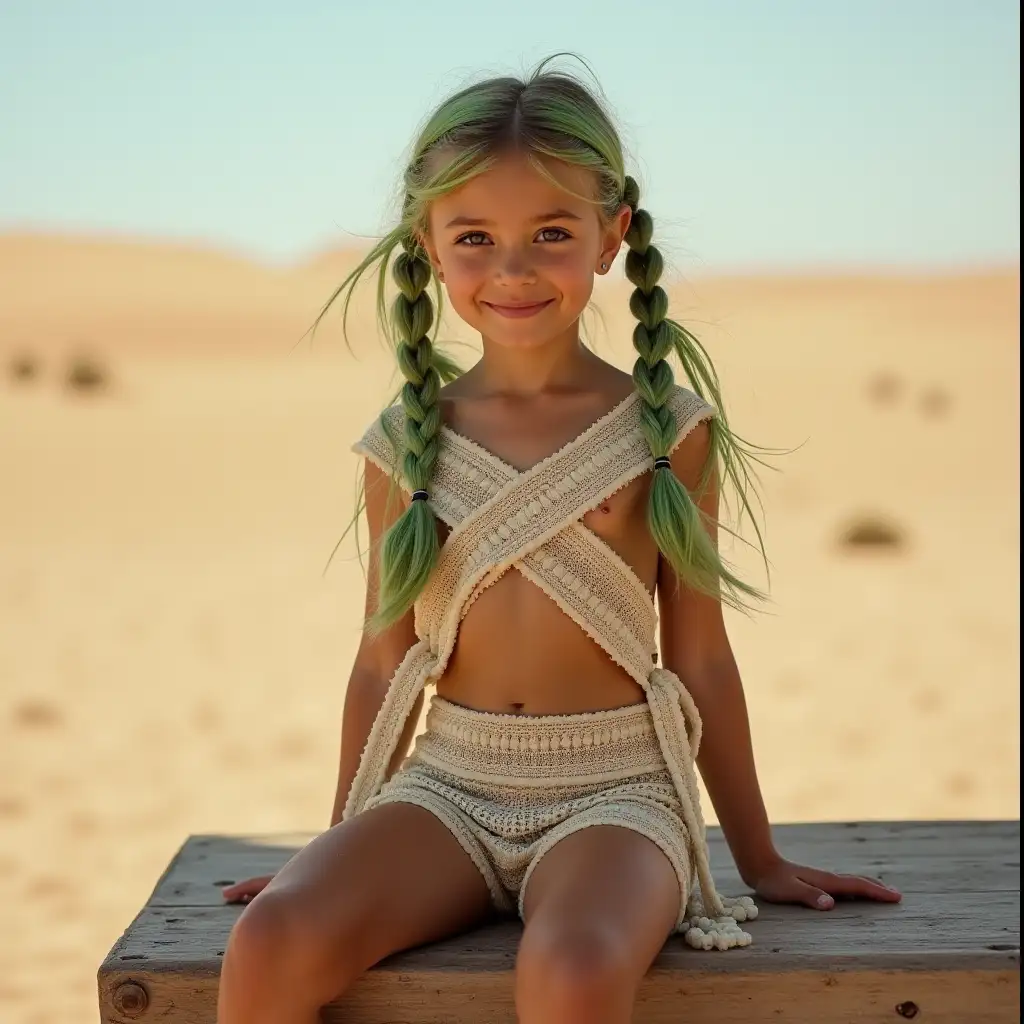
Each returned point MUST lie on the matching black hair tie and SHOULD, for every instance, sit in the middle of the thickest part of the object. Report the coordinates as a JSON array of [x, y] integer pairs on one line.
[[420, 495], [662, 462]]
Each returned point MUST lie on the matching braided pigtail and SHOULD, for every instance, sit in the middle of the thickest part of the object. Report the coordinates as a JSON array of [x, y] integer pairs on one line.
[[410, 549], [674, 519]]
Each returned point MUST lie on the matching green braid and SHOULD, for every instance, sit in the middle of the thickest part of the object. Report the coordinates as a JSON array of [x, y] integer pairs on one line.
[[411, 547], [675, 521]]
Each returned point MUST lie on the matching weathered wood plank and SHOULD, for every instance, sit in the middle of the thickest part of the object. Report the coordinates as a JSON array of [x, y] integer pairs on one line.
[[972, 857], [957, 932], [951, 949], [863, 997]]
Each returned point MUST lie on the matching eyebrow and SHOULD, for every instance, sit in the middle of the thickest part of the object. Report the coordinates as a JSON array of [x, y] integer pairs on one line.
[[474, 222]]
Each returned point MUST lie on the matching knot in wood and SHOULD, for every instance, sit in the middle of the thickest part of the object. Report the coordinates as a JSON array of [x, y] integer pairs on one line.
[[908, 1009], [131, 999]]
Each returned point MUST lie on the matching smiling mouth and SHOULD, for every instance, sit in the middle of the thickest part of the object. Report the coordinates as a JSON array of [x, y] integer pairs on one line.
[[519, 311]]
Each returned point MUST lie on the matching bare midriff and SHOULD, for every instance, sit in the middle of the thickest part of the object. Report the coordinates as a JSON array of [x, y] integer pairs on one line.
[[518, 653]]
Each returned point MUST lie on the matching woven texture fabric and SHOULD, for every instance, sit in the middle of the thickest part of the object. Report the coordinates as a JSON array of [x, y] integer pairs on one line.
[[502, 517], [509, 787]]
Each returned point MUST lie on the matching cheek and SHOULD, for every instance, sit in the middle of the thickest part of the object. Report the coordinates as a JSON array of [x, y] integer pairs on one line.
[[463, 279], [464, 269], [571, 272]]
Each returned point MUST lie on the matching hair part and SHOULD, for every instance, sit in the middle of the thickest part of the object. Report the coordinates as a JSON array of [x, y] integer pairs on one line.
[[549, 115]]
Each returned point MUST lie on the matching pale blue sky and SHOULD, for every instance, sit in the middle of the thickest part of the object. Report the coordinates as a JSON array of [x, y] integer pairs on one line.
[[770, 133]]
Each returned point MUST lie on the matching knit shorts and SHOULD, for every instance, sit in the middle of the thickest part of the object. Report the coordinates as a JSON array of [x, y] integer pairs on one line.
[[509, 787]]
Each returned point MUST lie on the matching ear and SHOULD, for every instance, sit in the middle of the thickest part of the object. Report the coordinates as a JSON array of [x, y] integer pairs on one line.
[[613, 236]]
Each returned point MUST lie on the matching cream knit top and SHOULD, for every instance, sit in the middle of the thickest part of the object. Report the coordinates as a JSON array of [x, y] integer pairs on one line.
[[500, 517]]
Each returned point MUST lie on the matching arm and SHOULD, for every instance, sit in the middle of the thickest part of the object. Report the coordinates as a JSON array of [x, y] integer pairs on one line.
[[696, 647], [377, 657]]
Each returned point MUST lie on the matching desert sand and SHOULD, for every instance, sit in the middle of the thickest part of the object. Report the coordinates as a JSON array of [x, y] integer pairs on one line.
[[175, 473]]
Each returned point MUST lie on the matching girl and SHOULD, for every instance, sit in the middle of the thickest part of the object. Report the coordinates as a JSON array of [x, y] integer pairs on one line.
[[523, 516]]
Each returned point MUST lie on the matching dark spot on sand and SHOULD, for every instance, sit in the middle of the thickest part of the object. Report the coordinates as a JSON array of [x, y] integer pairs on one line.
[[11, 807], [49, 885], [936, 403], [884, 388], [23, 367], [36, 714], [86, 374], [960, 784], [872, 532]]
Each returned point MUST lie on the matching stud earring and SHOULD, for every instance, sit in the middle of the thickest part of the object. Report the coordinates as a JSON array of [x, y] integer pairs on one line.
[[604, 266]]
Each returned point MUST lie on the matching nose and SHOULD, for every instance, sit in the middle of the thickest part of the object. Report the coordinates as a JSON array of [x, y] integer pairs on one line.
[[514, 267]]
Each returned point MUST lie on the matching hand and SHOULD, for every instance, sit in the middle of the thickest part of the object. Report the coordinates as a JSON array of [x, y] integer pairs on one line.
[[242, 892], [785, 882]]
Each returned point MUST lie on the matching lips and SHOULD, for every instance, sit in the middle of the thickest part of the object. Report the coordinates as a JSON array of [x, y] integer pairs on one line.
[[517, 310]]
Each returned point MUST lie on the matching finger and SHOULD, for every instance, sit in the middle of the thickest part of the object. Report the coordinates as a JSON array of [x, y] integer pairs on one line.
[[239, 897], [798, 891], [852, 886], [244, 891], [877, 890]]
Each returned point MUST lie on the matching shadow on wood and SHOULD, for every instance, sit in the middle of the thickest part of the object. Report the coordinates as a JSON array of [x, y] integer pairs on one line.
[[950, 952]]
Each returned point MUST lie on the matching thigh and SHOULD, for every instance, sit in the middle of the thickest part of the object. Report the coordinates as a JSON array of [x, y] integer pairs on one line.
[[394, 875], [608, 881]]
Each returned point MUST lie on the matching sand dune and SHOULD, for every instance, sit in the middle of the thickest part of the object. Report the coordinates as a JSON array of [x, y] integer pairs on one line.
[[172, 659]]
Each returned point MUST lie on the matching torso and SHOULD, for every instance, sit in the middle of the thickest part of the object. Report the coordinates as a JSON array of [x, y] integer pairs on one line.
[[517, 652]]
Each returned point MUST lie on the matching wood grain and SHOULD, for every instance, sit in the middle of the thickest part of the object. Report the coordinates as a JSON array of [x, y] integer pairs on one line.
[[950, 949]]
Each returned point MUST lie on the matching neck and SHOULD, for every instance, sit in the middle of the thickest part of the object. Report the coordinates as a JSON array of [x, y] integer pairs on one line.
[[561, 364]]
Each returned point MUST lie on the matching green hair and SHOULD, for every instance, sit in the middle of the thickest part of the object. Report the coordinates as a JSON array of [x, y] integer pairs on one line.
[[549, 114]]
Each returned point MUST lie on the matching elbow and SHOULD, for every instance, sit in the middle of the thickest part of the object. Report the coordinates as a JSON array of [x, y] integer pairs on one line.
[[707, 675], [366, 688]]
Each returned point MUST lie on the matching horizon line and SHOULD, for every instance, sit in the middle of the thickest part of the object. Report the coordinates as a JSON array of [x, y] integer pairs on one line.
[[240, 253]]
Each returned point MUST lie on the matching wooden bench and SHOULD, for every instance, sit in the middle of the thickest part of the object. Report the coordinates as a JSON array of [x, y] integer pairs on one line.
[[950, 952]]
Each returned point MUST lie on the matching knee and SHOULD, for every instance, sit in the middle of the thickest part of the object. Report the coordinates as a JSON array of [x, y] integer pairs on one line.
[[573, 974], [277, 940], [268, 939]]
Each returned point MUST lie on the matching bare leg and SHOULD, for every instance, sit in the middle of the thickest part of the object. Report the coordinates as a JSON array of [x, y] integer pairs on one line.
[[598, 909], [388, 879]]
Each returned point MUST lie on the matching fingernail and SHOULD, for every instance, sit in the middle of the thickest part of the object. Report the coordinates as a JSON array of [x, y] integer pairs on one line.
[[825, 901]]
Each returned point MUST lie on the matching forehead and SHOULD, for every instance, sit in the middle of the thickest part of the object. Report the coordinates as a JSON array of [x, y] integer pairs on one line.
[[514, 190]]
